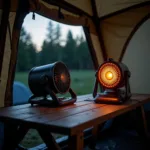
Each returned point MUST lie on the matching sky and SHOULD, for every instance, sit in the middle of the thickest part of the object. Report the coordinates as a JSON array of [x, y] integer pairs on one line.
[[38, 29]]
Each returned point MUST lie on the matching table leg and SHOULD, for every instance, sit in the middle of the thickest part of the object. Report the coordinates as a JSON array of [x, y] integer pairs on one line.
[[10, 131], [13, 135], [48, 139], [22, 131], [141, 124], [76, 142], [94, 137]]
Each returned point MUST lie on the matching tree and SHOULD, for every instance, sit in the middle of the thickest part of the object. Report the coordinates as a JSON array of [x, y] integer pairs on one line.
[[26, 52], [51, 48], [84, 59], [69, 51]]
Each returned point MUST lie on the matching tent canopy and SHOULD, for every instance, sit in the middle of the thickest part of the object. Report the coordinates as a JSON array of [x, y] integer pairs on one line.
[[108, 24]]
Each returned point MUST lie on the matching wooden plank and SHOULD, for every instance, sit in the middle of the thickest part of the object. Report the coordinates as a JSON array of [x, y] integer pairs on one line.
[[17, 110], [34, 111], [92, 117], [76, 141], [140, 122], [17, 107], [26, 107], [95, 130], [140, 97], [62, 114], [81, 120], [144, 121], [48, 140]]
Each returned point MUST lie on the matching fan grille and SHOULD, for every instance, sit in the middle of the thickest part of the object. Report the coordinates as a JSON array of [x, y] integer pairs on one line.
[[109, 75], [61, 77]]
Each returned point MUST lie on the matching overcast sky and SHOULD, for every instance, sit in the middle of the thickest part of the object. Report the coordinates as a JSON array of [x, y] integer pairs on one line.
[[38, 29]]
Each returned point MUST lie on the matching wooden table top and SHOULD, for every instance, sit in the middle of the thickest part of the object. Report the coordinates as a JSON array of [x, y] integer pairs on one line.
[[71, 118]]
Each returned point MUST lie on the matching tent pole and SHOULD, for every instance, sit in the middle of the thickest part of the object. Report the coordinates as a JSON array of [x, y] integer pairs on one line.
[[3, 30], [98, 29]]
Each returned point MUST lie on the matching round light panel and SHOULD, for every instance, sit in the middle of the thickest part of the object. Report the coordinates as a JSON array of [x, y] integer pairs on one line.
[[61, 78], [109, 75]]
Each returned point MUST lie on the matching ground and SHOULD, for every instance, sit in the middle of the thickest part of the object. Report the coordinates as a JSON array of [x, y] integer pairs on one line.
[[82, 82]]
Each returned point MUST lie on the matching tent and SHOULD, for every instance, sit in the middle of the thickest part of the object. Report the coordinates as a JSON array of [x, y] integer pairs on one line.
[[110, 27]]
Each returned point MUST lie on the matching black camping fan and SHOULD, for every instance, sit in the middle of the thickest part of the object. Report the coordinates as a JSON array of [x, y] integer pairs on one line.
[[51, 79]]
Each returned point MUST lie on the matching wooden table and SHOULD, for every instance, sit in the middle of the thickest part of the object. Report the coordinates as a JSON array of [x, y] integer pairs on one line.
[[69, 120]]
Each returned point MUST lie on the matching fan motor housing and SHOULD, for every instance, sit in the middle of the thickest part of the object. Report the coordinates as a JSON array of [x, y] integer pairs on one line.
[[46, 75]]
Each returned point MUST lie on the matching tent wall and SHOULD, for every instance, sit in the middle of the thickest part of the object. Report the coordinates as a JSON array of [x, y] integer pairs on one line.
[[97, 48], [107, 7], [137, 58], [1, 104], [3, 37], [118, 29], [6, 59], [61, 15], [9, 45], [81, 5]]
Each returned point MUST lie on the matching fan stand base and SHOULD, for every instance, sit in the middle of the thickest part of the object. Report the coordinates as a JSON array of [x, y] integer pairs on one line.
[[54, 101], [111, 97], [43, 102]]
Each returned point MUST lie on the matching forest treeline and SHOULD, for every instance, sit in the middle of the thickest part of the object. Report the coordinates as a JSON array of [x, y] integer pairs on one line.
[[73, 52]]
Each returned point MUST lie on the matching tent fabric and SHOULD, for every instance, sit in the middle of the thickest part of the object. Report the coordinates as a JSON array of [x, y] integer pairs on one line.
[[6, 58], [117, 29], [20, 89], [106, 7], [14, 4], [84, 5], [97, 48], [50, 11], [137, 59]]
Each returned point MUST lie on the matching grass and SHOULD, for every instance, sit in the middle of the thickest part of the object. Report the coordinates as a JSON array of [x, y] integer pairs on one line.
[[82, 82]]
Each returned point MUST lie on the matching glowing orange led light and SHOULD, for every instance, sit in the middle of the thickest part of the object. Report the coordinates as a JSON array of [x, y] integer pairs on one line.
[[63, 78], [109, 75]]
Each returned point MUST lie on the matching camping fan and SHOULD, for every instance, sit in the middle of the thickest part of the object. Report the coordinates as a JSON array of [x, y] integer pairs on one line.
[[113, 78], [51, 79]]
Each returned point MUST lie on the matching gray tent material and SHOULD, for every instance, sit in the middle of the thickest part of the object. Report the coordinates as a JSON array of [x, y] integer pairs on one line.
[[21, 93]]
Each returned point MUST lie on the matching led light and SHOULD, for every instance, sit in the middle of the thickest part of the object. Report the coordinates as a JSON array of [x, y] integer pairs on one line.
[[113, 78], [63, 78], [109, 75]]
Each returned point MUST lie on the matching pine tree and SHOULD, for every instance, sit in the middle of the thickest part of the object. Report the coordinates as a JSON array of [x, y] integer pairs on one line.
[[26, 52]]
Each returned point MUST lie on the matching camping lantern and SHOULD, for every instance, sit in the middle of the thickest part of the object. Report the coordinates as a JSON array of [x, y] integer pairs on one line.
[[113, 78], [50, 80]]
